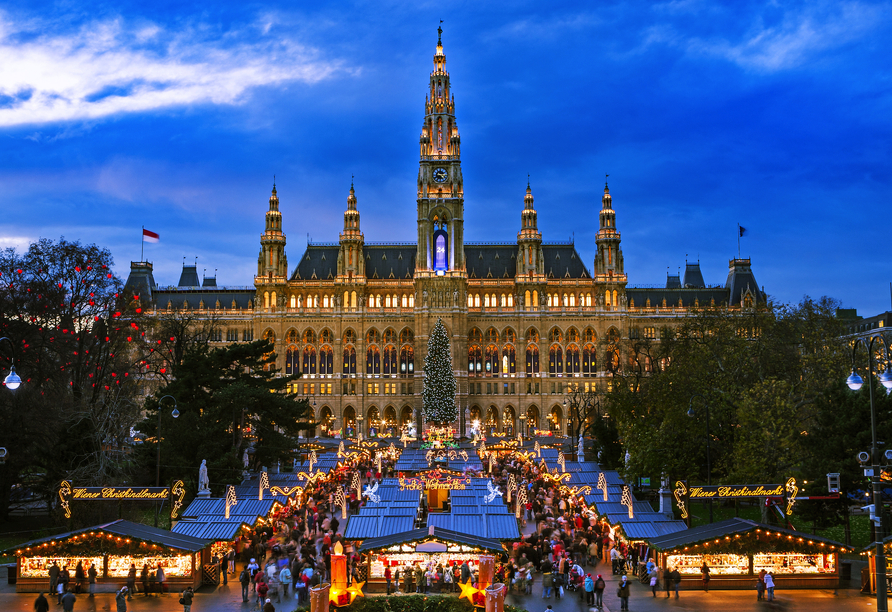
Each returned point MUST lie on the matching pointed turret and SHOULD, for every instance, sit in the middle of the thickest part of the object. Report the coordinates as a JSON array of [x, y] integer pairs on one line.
[[351, 264], [609, 272], [272, 262], [530, 262]]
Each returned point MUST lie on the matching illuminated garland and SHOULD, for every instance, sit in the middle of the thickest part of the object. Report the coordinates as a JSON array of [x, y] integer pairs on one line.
[[97, 543], [760, 541]]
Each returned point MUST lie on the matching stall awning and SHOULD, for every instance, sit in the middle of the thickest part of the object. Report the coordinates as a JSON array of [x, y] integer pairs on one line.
[[218, 531], [216, 506], [126, 529], [426, 535], [737, 527]]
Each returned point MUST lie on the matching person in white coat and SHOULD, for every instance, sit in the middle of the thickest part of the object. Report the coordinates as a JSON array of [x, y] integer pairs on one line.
[[769, 586]]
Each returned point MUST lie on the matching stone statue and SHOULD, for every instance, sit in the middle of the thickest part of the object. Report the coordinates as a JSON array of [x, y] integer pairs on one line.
[[628, 458], [580, 448], [245, 459], [203, 482]]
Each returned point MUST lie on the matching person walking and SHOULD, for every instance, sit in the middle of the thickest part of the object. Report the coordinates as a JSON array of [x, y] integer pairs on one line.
[[676, 579], [186, 599], [589, 586], [54, 577], [68, 600], [79, 576], [131, 581], [760, 585], [284, 581], [121, 598], [600, 585], [268, 606], [91, 577], [159, 578], [547, 584], [623, 592], [654, 581], [144, 578], [704, 573], [41, 604], [245, 579], [388, 577], [769, 586]]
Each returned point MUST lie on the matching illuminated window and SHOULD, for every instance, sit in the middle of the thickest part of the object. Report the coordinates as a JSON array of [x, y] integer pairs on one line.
[[650, 332]]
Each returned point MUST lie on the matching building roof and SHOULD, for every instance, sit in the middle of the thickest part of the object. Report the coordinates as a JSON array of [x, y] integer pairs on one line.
[[724, 528], [431, 533], [741, 281], [693, 277], [193, 297], [215, 530], [216, 506], [638, 297], [189, 277], [128, 529]]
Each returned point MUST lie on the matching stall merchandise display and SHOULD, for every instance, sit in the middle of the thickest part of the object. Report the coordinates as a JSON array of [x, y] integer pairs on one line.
[[794, 563], [38, 567], [722, 564], [179, 566], [400, 559]]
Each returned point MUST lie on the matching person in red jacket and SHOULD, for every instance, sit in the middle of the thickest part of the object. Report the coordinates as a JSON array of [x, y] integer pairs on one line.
[[262, 589]]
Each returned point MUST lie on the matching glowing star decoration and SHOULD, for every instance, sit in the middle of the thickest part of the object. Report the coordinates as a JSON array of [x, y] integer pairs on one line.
[[341, 500], [627, 500], [286, 491], [468, 590], [492, 494], [521, 502], [263, 484], [65, 497], [178, 493], [512, 486], [792, 490], [537, 449], [602, 484], [313, 461], [356, 485], [371, 491], [231, 499], [681, 493]]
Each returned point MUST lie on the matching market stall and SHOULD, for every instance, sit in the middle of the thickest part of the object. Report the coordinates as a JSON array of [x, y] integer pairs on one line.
[[111, 548], [736, 550], [421, 547]]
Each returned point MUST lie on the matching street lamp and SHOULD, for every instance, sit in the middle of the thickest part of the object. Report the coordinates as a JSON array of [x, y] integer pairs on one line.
[[359, 430], [175, 414], [691, 413], [523, 420], [12, 380], [855, 382]]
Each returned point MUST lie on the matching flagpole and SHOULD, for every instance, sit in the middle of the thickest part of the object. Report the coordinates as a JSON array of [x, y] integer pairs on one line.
[[738, 241], [142, 244]]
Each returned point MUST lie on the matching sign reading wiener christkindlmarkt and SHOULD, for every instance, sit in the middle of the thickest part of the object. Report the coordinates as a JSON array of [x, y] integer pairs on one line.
[[69, 493], [735, 491]]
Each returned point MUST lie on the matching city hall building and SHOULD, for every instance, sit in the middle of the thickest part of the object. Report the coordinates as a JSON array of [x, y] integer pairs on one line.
[[527, 318]]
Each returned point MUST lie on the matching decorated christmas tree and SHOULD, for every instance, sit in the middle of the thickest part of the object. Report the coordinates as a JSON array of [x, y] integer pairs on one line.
[[438, 395]]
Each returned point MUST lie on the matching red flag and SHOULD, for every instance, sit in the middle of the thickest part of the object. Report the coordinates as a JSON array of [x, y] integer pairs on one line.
[[149, 236]]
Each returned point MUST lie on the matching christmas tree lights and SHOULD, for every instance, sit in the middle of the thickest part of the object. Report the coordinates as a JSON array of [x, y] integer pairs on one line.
[[438, 394]]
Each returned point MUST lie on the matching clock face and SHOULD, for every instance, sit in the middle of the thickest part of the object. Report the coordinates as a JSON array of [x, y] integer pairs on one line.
[[440, 175]]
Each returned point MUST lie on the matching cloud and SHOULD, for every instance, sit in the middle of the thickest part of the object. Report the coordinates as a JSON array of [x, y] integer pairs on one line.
[[110, 67], [797, 38]]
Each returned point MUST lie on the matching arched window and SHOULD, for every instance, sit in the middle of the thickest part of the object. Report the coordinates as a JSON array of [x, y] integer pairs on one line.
[[326, 360], [325, 303], [510, 300], [405, 301], [291, 336], [294, 301], [352, 299], [556, 336], [441, 257], [572, 335], [475, 360], [309, 360], [326, 336], [589, 360], [532, 359], [406, 336], [372, 337], [470, 301], [509, 335], [535, 299], [292, 361], [389, 336], [588, 299], [309, 337], [573, 300], [349, 360], [272, 300], [390, 362], [266, 299], [555, 360], [387, 301], [407, 361], [474, 336], [573, 359], [373, 360], [411, 300], [486, 300], [532, 336], [492, 336], [349, 337], [509, 358], [491, 360], [477, 300], [526, 299]]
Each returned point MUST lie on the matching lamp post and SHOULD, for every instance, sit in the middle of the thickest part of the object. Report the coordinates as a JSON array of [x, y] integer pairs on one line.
[[522, 423], [12, 380], [175, 413], [359, 430], [855, 382], [691, 413]]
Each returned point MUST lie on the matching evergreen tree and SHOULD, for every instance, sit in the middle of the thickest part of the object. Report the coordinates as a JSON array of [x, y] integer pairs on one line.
[[438, 395]]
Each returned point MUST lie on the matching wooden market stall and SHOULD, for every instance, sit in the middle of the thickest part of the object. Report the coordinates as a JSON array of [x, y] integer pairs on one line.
[[736, 550], [421, 546], [111, 548]]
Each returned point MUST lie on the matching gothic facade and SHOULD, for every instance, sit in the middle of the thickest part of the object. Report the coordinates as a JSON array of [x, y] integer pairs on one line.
[[527, 319]]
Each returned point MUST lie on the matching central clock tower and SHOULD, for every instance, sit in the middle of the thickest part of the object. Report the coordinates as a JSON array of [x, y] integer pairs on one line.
[[440, 191]]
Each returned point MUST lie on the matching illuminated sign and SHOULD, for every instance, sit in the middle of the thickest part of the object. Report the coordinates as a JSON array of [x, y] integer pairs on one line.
[[115, 493], [178, 492], [435, 480], [681, 497], [736, 491]]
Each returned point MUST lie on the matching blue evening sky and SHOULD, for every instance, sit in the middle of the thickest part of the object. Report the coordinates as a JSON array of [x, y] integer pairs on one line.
[[774, 115]]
